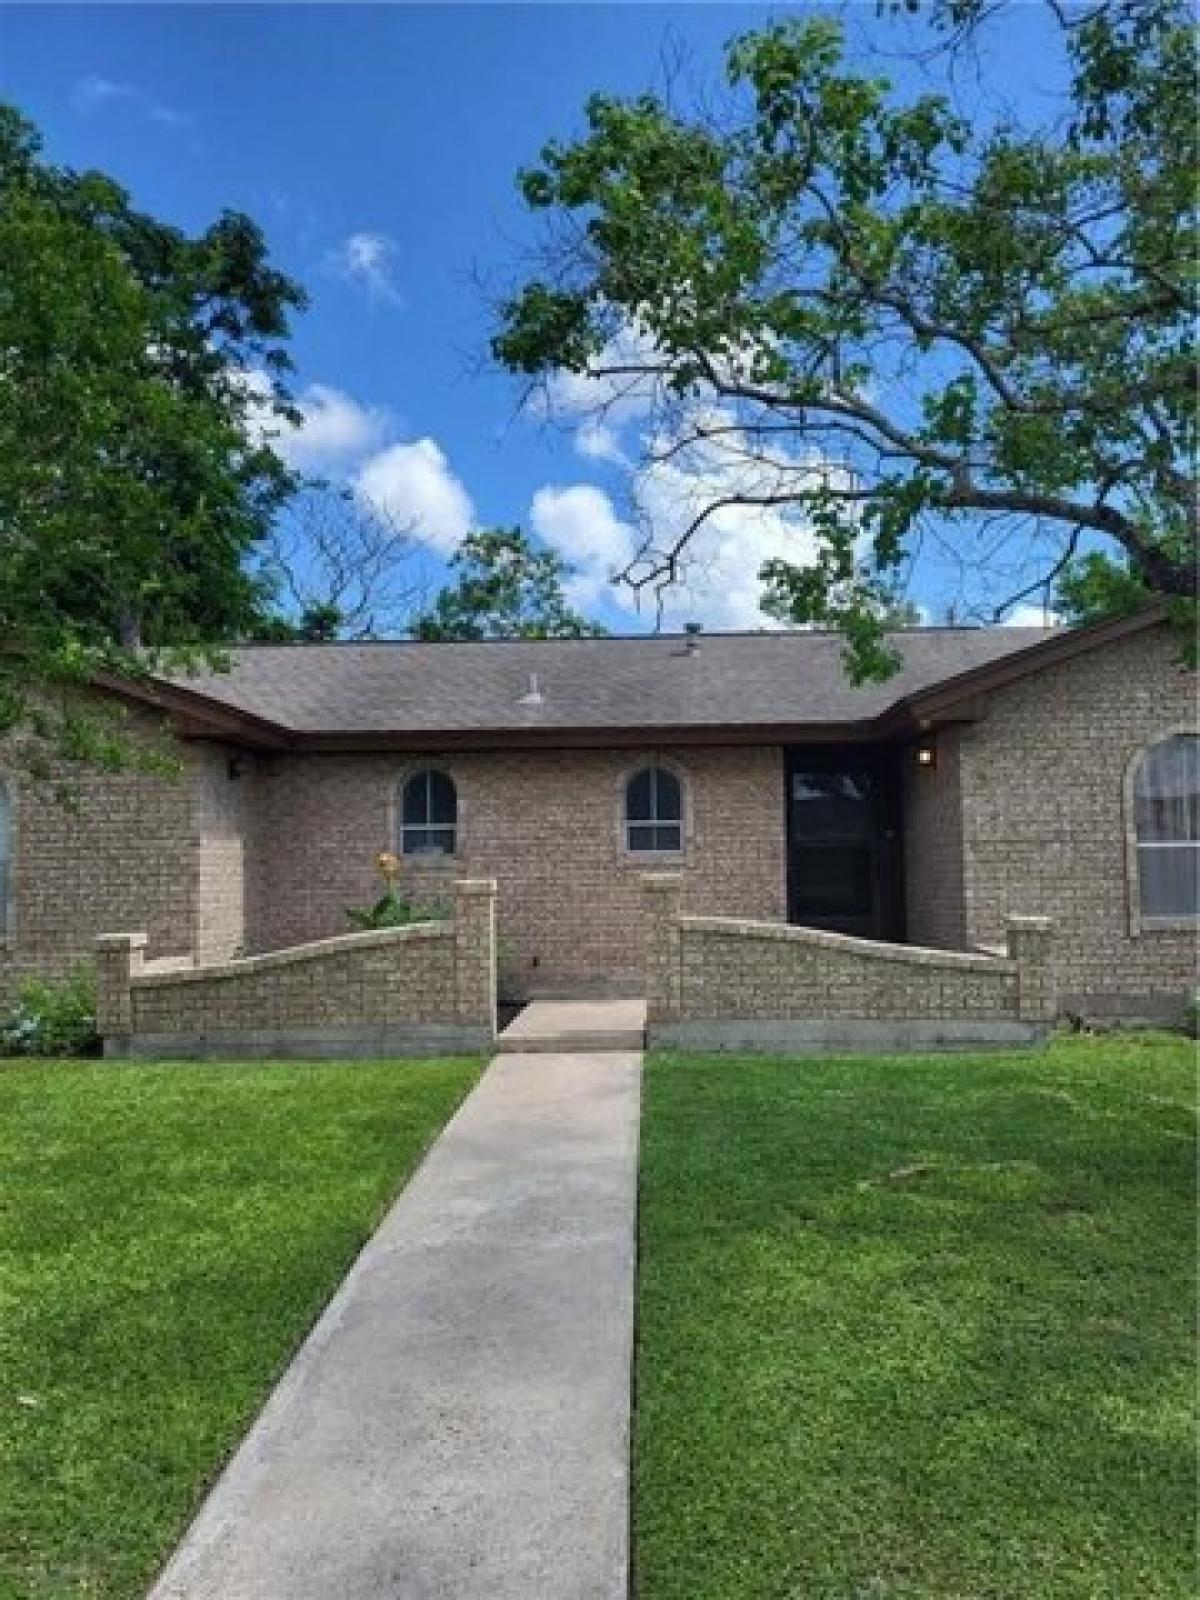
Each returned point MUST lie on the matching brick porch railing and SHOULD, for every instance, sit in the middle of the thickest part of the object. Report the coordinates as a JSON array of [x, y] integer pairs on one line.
[[732, 983], [429, 988]]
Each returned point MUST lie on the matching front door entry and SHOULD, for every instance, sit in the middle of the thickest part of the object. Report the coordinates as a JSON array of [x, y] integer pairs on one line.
[[844, 841]]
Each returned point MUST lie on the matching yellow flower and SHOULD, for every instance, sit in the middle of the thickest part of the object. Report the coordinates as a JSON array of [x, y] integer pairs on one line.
[[388, 863]]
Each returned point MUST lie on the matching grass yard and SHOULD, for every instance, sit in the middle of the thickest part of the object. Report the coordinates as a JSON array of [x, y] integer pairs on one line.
[[167, 1236], [915, 1329]]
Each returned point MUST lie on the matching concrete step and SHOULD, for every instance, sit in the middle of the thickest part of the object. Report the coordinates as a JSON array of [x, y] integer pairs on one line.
[[565, 1027], [584, 989]]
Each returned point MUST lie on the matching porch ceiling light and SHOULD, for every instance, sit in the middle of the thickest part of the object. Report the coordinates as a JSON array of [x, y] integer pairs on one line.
[[926, 754]]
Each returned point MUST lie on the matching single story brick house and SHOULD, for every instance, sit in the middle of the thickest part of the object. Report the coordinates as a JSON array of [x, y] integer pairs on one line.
[[1031, 771]]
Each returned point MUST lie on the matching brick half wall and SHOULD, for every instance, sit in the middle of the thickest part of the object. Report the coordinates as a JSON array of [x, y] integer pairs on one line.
[[718, 982], [425, 989]]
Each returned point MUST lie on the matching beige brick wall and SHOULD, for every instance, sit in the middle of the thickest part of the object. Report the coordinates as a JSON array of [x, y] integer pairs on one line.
[[1043, 800], [545, 824], [736, 969], [224, 835], [121, 856], [436, 978], [931, 800], [360, 980]]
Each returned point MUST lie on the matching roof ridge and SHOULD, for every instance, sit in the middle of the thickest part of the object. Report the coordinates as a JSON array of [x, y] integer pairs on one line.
[[639, 638]]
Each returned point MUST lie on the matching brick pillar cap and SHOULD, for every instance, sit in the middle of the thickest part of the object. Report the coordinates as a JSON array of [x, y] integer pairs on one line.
[[475, 886], [121, 941], [1034, 924]]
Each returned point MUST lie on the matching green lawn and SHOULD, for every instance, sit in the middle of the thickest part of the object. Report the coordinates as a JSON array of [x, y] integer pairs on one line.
[[915, 1329], [167, 1236]]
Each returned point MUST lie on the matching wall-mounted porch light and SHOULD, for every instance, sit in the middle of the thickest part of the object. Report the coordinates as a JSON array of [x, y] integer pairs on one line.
[[925, 754]]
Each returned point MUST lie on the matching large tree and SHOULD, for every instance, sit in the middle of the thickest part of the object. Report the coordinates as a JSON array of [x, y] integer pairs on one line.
[[892, 320], [504, 588], [139, 370]]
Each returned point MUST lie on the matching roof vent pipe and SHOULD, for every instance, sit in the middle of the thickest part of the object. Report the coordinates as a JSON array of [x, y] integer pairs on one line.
[[693, 631], [533, 696]]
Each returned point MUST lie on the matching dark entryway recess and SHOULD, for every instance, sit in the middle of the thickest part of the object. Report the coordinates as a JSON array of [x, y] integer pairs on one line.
[[845, 871]]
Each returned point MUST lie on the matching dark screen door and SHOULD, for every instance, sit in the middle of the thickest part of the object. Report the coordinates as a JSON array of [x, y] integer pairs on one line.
[[843, 844]]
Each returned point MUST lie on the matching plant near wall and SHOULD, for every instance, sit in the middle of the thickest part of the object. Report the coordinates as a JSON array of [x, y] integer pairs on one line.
[[392, 909], [53, 1018]]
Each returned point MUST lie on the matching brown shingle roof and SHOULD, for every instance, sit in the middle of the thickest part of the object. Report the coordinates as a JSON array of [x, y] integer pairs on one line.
[[756, 680]]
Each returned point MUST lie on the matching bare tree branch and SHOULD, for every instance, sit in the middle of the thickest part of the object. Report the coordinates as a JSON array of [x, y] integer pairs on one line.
[[335, 555]]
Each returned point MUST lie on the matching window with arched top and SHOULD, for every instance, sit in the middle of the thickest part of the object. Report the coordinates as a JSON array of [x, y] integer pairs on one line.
[[6, 855], [654, 811], [1166, 829], [428, 814]]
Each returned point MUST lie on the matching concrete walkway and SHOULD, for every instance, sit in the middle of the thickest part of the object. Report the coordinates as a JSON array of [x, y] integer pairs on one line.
[[456, 1425]]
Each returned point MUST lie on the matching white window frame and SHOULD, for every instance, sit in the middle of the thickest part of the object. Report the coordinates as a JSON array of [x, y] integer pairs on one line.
[[402, 828], [1141, 921]]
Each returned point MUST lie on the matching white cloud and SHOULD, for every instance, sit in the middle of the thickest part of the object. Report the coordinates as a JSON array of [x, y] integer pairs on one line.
[[622, 391], [264, 425], [718, 584], [336, 428], [93, 93], [580, 524], [1031, 616], [413, 484], [601, 404], [719, 581], [410, 482], [596, 441], [615, 420], [368, 260]]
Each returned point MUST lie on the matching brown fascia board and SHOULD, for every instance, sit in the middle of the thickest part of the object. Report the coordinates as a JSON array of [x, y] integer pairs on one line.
[[198, 716], [961, 698], [639, 737]]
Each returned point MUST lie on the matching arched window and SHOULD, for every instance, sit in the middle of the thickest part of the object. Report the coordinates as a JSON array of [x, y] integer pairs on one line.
[[6, 851], [654, 811], [428, 815], [1166, 818]]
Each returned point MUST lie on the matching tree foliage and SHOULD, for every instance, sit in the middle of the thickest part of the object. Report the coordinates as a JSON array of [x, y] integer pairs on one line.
[[893, 319], [504, 588], [138, 365]]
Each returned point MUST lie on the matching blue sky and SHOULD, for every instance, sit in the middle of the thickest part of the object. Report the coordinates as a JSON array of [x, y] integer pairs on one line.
[[377, 147]]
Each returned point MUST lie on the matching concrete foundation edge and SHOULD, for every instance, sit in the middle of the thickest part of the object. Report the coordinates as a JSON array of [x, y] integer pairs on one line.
[[1135, 1010], [303, 1044], [811, 1036]]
